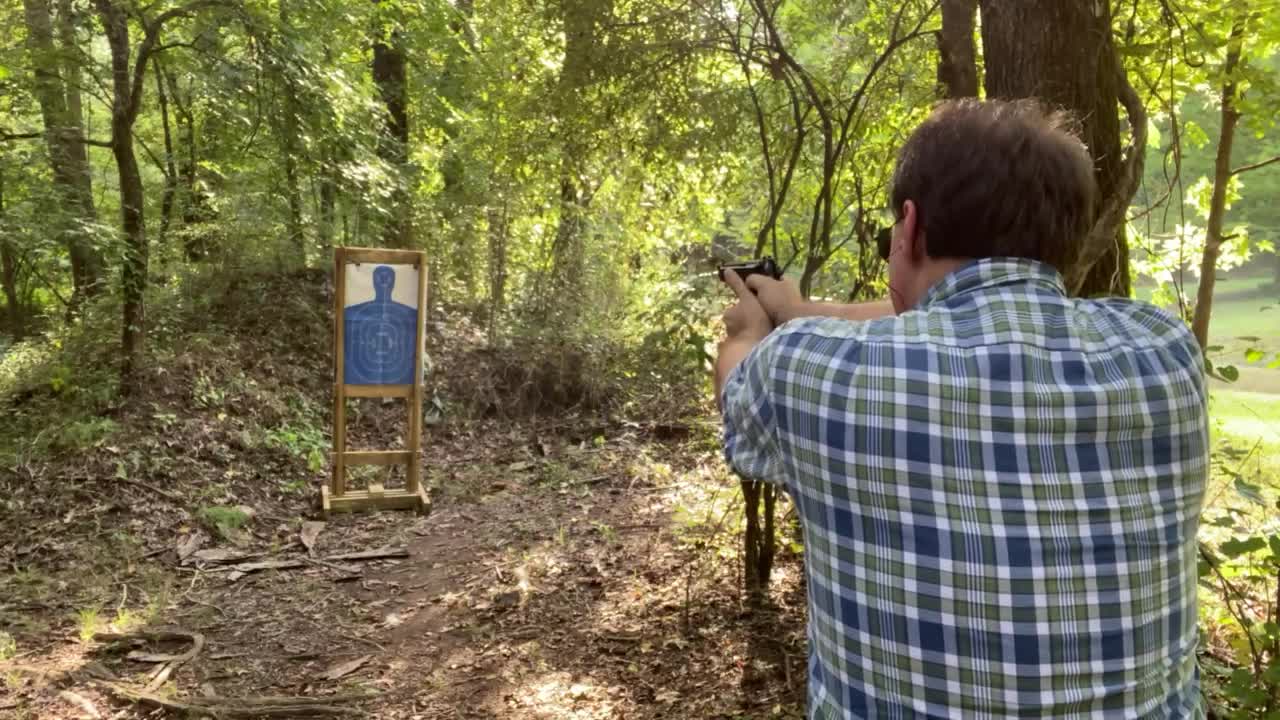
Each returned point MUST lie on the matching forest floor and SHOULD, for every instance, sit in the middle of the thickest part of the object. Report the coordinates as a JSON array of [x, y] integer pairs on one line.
[[580, 567]]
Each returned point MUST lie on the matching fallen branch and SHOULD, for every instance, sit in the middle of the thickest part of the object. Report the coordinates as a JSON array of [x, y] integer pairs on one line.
[[80, 701], [371, 554], [170, 662], [248, 707]]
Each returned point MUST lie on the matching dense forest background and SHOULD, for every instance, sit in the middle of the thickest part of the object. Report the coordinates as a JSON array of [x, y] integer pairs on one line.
[[175, 175]]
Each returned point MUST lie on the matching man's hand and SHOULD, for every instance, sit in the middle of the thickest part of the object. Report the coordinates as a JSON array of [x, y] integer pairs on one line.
[[746, 323], [748, 318], [781, 299]]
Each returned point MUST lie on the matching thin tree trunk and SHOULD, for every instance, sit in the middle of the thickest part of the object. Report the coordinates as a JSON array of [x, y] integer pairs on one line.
[[289, 148], [328, 184], [388, 73], [63, 139], [1062, 53], [132, 215], [584, 51], [957, 58], [170, 170], [497, 267], [9, 276], [1221, 177]]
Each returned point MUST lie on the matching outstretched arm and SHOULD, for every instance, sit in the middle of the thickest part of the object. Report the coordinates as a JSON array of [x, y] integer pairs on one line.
[[781, 299]]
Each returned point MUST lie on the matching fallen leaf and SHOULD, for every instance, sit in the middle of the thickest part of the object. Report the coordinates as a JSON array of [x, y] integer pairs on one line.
[[191, 544], [310, 531], [344, 669]]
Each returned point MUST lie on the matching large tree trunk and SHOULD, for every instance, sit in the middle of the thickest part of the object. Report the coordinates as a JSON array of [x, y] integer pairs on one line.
[[1221, 177], [1061, 51], [389, 76], [957, 58], [68, 158]]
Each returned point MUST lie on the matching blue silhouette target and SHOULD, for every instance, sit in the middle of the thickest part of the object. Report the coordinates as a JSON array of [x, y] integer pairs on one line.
[[379, 336]]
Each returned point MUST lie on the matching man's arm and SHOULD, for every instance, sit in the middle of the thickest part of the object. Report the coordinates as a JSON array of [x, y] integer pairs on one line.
[[746, 324], [781, 299], [848, 311]]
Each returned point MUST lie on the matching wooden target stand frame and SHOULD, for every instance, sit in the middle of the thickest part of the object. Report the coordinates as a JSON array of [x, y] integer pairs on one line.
[[336, 497]]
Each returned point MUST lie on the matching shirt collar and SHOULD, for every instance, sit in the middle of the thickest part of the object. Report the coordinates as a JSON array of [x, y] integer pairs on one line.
[[992, 272]]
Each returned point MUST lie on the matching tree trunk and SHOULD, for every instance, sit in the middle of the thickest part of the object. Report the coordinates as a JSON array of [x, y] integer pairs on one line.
[[389, 76], [9, 276], [583, 56], [133, 220], [170, 170], [68, 158], [1221, 177], [760, 537], [497, 267], [1061, 52], [455, 207], [289, 148], [957, 58]]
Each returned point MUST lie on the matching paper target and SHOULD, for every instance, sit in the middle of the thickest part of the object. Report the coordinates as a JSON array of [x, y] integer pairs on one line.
[[380, 334]]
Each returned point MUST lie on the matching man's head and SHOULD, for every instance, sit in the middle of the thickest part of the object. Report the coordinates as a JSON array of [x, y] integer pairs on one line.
[[983, 179]]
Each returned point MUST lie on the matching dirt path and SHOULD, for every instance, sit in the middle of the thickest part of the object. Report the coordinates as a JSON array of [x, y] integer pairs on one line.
[[573, 580]]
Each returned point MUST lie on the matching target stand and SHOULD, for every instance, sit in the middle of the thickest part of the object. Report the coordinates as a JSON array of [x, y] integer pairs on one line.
[[378, 318]]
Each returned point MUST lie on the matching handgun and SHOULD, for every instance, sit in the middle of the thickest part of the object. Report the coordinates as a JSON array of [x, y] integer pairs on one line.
[[763, 266]]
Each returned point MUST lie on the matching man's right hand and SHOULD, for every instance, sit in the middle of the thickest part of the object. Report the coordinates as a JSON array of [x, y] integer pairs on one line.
[[781, 299]]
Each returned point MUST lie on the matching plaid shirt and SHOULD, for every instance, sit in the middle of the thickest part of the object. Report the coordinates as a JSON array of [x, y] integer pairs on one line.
[[1000, 492]]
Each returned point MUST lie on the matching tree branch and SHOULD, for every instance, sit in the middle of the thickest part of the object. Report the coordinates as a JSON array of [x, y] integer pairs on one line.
[[1103, 233], [1255, 166], [8, 136], [149, 46]]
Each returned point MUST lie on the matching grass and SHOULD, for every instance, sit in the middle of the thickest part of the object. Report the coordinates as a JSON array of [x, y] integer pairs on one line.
[[1246, 315]]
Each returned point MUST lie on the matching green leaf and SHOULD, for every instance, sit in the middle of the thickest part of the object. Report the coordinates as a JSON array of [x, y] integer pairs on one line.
[[1229, 373], [1235, 547], [1249, 491], [1253, 355]]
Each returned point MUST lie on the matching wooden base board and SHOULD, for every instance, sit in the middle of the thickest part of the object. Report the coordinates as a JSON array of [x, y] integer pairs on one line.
[[374, 499]]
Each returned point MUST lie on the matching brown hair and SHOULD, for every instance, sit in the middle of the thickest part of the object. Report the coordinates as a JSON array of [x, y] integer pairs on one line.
[[998, 178]]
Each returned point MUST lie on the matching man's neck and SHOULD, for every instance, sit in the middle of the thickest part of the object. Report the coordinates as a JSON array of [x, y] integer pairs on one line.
[[932, 273]]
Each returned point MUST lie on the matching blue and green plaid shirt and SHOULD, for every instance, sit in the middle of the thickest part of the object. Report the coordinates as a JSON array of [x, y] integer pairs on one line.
[[1000, 492]]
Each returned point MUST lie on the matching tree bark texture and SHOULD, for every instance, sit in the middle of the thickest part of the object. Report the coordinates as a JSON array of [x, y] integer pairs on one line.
[[957, 57], [1218, 200], [68, 158], [1061, 52]]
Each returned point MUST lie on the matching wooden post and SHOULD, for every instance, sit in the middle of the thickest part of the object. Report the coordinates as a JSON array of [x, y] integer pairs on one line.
[[335, 496], [339, 484]]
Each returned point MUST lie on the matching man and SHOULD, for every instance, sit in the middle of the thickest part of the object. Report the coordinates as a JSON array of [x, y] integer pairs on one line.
[[999, 485]]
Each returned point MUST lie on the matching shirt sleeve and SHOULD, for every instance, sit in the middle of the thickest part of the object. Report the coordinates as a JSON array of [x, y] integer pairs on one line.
[[749, 416]]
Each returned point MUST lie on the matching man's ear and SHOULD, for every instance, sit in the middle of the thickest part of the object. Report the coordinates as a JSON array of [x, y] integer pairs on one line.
[[912, 231]]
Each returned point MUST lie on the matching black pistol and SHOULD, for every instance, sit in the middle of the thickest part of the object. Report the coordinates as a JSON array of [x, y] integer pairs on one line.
[[763, 266]]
